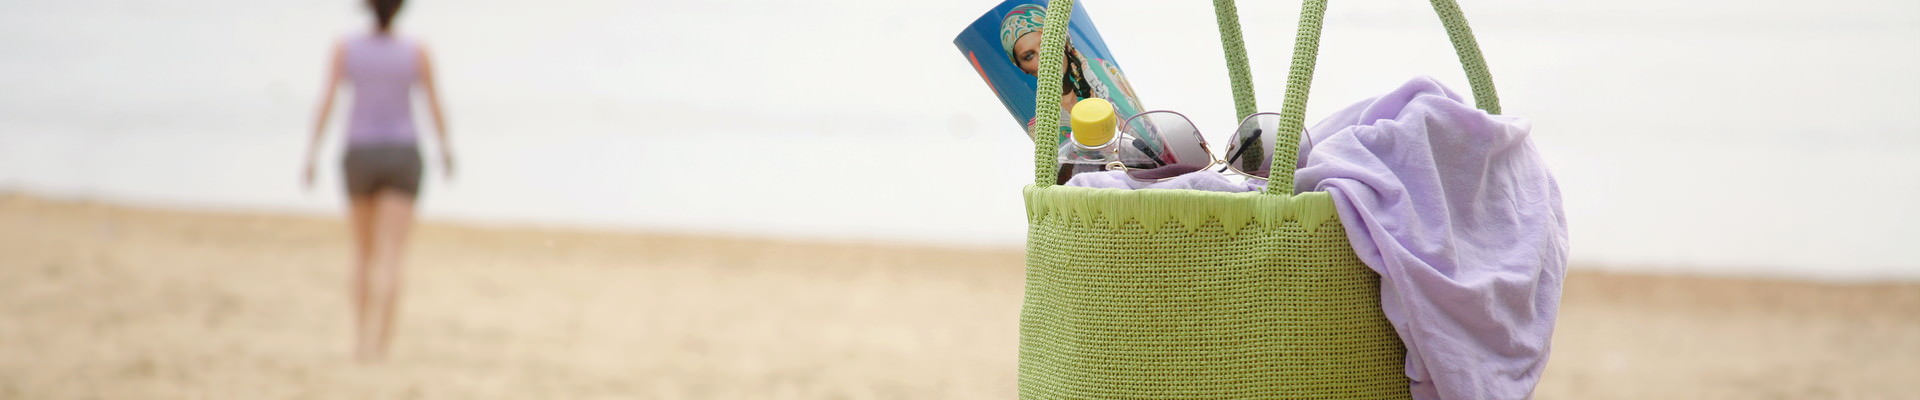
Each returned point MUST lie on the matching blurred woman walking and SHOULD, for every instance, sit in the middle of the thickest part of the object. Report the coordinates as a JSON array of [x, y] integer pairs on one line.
[[381, 165]]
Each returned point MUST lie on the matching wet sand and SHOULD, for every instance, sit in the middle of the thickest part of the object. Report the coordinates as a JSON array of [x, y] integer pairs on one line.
[[115, 302]]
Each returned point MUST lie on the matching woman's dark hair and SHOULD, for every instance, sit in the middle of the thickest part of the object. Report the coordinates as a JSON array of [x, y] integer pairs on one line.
[[1072, 81], [384, 11]]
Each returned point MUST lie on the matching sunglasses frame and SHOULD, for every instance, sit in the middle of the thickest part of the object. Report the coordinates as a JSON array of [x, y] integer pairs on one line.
[[1212, 159]]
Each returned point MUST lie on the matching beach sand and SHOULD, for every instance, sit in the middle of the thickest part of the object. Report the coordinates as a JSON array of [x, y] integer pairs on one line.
[[116, 302]]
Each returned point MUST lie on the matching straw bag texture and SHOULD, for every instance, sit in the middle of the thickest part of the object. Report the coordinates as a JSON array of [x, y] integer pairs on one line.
[[1181, 294]]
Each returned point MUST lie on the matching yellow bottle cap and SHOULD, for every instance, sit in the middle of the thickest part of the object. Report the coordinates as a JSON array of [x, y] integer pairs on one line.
[[1093, 122]]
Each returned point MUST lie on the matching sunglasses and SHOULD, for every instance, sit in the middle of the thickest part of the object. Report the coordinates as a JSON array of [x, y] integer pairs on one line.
[[1170, 145]]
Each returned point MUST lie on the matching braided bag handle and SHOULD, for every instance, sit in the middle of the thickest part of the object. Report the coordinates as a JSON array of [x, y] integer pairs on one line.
[[1306, 49], [1053, 37]]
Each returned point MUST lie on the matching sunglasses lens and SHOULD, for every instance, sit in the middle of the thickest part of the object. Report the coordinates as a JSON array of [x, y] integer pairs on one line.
[[1251, 151], [1168, 143]]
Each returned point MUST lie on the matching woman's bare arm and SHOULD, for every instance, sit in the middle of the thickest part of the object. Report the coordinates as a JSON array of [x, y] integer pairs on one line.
[[335, 69], [432, 90]]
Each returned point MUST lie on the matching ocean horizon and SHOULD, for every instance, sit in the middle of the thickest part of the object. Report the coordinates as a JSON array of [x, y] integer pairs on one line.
[[1714, 137]]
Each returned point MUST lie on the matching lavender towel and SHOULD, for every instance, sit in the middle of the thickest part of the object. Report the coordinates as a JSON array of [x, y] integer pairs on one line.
[[1456, 211]]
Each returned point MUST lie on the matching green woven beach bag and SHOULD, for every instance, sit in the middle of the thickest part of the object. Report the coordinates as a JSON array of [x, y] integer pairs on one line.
[[1181, 294]]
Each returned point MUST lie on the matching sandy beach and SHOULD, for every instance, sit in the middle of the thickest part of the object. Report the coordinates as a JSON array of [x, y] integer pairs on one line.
[[117, 302]]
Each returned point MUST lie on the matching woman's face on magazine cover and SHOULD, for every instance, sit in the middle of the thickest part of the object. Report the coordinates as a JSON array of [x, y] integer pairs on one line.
[[1026, 52]]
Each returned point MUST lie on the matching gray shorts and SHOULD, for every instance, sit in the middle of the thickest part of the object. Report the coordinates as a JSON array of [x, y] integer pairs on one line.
[[370, 168]]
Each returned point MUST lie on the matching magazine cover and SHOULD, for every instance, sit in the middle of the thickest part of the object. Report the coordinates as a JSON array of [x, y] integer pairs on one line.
[[1004, 47]]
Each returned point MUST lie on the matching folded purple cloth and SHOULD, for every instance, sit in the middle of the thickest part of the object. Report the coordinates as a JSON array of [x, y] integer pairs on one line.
[[1455, 210]]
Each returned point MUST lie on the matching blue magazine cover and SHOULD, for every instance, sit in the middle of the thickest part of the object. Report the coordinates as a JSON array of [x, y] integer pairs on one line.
[[1003, 47]]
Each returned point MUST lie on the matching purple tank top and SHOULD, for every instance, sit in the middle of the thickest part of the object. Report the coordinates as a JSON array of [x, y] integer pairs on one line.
[[382, 70]]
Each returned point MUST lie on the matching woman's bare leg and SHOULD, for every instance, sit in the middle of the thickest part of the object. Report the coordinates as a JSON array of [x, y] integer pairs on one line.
[[361, 212], [393, 220]]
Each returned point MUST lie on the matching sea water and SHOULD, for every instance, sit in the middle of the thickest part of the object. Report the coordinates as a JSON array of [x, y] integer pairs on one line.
[[1717, 137]]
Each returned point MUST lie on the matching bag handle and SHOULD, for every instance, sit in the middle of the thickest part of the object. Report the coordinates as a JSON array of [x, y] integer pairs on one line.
[[1306, 48], [1053, 49], [1299, 79], [1236, 49]]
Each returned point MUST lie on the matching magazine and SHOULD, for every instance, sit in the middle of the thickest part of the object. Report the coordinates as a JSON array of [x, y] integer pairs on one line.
[[1003, 47]]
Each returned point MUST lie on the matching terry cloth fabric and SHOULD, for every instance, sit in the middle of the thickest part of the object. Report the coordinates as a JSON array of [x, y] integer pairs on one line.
[[1197, 180], [1456, 211]]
